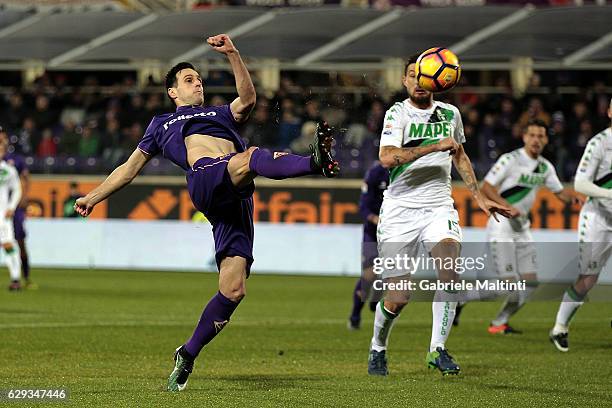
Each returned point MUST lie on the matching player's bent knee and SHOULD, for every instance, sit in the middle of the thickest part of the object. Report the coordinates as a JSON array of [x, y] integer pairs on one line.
[[395, 306], [234, 293]]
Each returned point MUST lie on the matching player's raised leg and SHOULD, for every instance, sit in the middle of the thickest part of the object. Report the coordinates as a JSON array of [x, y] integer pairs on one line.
[[216, 315], [244, 167]]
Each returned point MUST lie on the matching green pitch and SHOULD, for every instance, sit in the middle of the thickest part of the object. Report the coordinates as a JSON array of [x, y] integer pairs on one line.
[[108, 337]]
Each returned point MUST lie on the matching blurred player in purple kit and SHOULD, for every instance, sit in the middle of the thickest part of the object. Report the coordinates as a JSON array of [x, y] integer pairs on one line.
[[220, 171], [19, 217], [374, 184]]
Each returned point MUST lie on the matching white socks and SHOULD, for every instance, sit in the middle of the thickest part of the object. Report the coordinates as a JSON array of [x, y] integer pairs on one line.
[[443, 313], [569, 305], [13, 262], [383, 323], [515, 300]]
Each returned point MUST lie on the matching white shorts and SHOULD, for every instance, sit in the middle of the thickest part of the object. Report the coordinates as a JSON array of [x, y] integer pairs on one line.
[[6, 231], [401, 230], [595, 240], [512, 248]]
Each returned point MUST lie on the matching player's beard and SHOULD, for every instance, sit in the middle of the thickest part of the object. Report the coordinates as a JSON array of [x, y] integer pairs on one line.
[[421, 100]]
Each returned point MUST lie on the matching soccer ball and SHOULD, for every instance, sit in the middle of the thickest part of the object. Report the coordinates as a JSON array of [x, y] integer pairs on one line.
[[437, 70]]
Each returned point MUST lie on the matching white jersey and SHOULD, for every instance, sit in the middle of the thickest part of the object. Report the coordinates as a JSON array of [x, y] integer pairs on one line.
[[10, 188], [425, 182], [596, 167], [518, 177]]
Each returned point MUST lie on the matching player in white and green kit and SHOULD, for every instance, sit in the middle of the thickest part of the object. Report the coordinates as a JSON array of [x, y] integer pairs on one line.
[[594, 179], [515, 180], [420, 139], [10, 194]]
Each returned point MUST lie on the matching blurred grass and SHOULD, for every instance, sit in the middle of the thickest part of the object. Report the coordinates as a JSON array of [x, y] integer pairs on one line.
[[108, 336]]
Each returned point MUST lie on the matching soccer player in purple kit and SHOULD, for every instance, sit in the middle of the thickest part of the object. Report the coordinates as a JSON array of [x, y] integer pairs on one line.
[[374, 184], [220, 172], [19, 217]]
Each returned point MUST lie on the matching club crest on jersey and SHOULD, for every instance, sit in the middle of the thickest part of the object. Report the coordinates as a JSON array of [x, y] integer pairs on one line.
[[279, 154]]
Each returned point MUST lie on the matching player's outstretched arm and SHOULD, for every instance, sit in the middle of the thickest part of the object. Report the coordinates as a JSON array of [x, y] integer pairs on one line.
[[120, 177], [591, 189], [391, 156], [464, 167], [490, 192], [242, 106]]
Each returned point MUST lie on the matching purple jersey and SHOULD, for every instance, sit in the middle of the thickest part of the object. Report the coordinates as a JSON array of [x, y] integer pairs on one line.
[[370, 201], [166, 133], [17, 161]]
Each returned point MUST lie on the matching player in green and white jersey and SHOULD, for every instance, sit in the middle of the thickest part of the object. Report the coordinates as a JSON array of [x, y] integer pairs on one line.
[[420, 139], [515, 180], [594, 179]]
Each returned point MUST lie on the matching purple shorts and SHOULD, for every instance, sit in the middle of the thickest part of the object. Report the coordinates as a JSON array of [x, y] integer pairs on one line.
[[369, 250], [228, 208], [18, 223]]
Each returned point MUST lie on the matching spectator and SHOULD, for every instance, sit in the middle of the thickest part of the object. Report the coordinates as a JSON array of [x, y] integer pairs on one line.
[[534, 111], [301, 144], [69, 140], [290, 124], [69, 202], [89, 143], [47, 146]]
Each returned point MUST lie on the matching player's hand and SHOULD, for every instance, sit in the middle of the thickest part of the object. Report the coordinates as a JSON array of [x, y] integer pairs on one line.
[[577, 198], [222, 43], [373, 219], [83, 206], [448, 144], [492, 208], [9, 214]]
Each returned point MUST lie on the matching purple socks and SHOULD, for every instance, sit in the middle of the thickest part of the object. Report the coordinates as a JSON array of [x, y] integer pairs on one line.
[[215, 316], [280, 165], [357, 301]]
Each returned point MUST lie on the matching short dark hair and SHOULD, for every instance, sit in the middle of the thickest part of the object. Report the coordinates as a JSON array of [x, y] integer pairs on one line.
[[171, 80], [411, 60], [538, 123]]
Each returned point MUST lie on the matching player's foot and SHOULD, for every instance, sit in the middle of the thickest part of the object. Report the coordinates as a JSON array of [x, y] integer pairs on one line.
[[182, 368], [377, 363], [503, 329], [29, 285], [443, 361], [560, 341], [354, 323], [321, 151], [14, 286], [458, 310]]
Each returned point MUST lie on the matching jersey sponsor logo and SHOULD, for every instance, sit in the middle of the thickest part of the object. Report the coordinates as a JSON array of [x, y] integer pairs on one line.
[[185, 117], [429, 130], [531, 180], [387, 132], [276, 155]]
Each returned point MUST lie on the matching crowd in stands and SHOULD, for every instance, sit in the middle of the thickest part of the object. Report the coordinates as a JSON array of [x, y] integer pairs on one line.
[[91, 129]]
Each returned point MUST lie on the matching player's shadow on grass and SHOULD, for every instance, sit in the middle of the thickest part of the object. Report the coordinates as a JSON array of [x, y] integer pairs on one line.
[[266, 381]]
